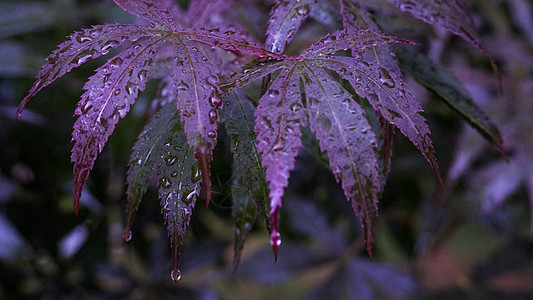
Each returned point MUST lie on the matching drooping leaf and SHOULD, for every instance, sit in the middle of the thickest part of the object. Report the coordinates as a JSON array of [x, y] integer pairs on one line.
[[81, 46], [443, 83], [239, 115], [243, 215], [278, 119], [346, 135], [108, 97], [179, 186], [155, 12], [357, 18], [145, 159], [386, 92], [286, 18], [452, 15]]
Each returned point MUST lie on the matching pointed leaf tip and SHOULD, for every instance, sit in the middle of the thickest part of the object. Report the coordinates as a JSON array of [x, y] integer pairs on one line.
[[176, 253], [204, 164], [275, 238]]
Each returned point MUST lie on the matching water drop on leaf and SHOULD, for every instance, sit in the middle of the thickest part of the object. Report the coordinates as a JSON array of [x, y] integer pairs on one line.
[[175, 275], [275, 239], [127, 235]]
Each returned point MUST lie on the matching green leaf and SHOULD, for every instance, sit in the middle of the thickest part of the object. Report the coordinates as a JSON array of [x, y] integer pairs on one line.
[[145, 160], [243, 216], [179, 185], [443, 83], [239, 113]]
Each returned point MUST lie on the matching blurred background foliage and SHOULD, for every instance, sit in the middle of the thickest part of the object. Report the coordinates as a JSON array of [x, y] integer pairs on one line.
[[471, 241]]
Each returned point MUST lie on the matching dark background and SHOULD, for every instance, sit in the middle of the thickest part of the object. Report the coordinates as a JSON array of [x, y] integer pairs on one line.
[[471, 241]]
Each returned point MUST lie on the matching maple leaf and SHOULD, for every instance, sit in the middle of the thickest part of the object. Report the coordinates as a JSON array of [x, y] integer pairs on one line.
[[322, 87], [81, 46], [281, 112], [110, 93], [167, 159], [452, 15], [249, 186], [345, 134]]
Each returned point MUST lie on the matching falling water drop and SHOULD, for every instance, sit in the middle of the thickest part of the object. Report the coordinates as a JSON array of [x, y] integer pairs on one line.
[[175, 275]]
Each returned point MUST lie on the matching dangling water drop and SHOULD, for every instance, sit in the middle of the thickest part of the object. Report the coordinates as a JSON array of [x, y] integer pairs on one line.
[[175, 275], [127, 235]]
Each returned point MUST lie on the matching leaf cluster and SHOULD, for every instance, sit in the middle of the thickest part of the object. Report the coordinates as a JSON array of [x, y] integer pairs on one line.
[[346, 87]]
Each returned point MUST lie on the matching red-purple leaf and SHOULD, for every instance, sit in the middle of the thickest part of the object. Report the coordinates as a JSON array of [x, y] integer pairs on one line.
[[80, 47], [154, 12], [278, 119], [286, 18], [355, 18], [344, 132], [386, 92], [109, 94], [196, 87]]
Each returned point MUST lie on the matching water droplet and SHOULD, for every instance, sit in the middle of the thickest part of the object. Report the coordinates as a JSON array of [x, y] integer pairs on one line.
[[127, 236], [84, 58], [142, 75], [196, 174], [386, 78], [212, 134], [171, 160], [275, 239], [130, 87], [83, 38], [108, 46], [165, 182], [213, 116], [182, 86], [215, 101], [175, 275], [273, 93], [116, 92], [194, 49]]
